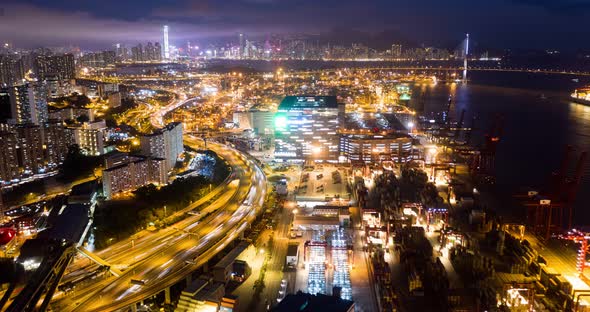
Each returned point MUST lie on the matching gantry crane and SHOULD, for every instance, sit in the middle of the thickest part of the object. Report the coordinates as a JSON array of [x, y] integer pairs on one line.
[[581, 238]]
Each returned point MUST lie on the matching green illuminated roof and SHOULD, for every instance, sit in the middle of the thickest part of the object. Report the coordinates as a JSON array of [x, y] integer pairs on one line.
[[304, 101]]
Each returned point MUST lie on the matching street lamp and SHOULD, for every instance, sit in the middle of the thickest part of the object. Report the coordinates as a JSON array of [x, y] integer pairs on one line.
[[165, 215]]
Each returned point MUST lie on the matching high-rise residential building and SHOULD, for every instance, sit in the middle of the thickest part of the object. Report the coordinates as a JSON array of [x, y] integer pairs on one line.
[[30, 139], [125, 173], [149, 52], [396, 51], [137, 53], [8, 157], [61, 65], [164, 143], [90, 137], [29, 149], [55, 87], [11, 70], [28, 102], [158, 52], [56, 139], [120, 52], [22, 103], [41, 109], [166, 43], [5, 106], [104, 89], [153, 144], [109, 57], [98, 59], [306, 128]]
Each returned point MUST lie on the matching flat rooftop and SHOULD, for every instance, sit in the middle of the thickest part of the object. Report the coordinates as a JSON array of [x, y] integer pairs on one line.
[[372, 121], [308, 101], [232, 255], [325, 181], [69, 225]]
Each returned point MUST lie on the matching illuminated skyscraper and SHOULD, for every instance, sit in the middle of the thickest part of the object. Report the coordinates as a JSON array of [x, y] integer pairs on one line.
[[242, 46], [396, 51], [166, 44]]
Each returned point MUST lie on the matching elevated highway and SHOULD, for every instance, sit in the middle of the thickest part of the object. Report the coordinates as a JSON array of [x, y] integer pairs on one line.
[[359, 65], [162, 259]]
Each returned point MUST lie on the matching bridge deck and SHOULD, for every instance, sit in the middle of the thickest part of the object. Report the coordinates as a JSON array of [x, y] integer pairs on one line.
[[99, 261]]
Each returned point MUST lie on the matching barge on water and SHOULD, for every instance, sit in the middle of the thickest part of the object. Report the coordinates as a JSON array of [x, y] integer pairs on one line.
[[581, 96]]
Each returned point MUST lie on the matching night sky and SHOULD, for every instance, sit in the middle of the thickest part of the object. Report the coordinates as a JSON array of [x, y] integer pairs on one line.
[[537, 24]]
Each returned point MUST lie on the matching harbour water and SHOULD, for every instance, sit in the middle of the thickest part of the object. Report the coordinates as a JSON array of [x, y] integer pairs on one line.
[[538, 122]]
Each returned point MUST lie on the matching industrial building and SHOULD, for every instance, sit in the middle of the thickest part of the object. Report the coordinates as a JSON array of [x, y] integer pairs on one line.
[[376, 147], [306, 128], [224, 270], [208, 292], [292, 255], [262, 122], [205, 295]]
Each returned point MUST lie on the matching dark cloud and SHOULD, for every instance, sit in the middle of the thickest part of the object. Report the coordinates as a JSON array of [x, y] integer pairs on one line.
[[497, 23], [577, 7], [32, 26]]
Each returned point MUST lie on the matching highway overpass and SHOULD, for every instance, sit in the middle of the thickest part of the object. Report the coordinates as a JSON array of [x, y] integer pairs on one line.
[[164, 258]]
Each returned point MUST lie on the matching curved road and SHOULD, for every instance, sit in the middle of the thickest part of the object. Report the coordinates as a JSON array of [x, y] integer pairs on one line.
[[169, 255]]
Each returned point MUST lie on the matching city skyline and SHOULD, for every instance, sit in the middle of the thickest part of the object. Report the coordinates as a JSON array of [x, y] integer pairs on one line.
[[294, 155], [525, 24]]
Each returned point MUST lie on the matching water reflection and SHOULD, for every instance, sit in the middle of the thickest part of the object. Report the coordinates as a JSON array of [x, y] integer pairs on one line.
[[537, 125]]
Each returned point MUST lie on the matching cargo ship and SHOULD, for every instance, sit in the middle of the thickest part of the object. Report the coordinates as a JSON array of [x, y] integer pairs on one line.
[[581, 96]]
